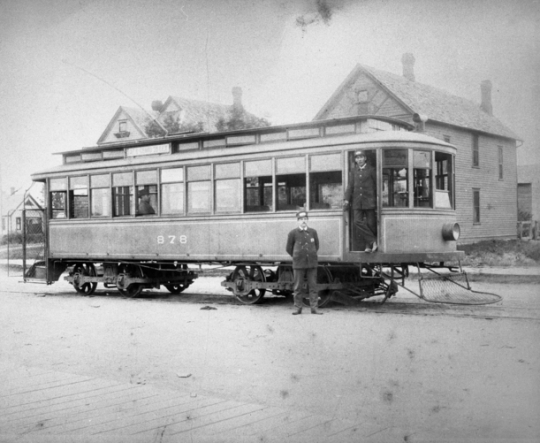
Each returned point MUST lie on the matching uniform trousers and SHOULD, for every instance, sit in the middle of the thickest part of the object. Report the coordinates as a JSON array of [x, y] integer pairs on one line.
[[365, 221], [299, 276]]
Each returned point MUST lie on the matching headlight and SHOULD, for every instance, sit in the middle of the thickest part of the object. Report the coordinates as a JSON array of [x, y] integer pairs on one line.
[[451, 231]]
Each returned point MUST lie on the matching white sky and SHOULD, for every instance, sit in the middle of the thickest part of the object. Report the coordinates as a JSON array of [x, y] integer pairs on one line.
[[67, 65]]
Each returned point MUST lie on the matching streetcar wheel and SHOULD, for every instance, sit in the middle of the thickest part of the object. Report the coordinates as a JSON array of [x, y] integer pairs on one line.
[[177, 288], [133, 290], [248, 273], [82, 270], [122, 279]]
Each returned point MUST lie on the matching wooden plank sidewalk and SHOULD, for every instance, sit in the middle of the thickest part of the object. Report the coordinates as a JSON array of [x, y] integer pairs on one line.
[[42, 406]]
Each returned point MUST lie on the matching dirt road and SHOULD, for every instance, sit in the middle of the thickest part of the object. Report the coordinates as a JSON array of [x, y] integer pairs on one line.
[[403, 371]]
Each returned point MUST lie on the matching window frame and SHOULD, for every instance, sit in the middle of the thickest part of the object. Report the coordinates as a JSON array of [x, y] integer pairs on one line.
[[291, 206], [146, 190], [210, 181], [477, 218], [311, 183], [108, 188], [163, 183], [63, 190], [260, 187], [239, 188], [501, 162], [475, 151], [71, 196], [130, 194]]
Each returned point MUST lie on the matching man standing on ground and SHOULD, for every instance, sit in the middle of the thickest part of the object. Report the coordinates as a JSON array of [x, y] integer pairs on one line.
[[362, 192], [302, 246]]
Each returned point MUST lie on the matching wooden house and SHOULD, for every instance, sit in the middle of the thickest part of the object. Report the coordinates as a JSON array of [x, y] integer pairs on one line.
[[185, 115], [486, 163], [12, 213]]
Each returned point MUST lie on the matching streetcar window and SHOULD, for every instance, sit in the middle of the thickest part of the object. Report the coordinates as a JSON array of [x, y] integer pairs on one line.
[[291, 183], [258, 188], [122, 193], [57, 187], [227, 187], [78, 197], [325, 182], [443, 181], [422, 179], [172, 191], [395, 189], [100, 195], [199, 189], [146, 192]]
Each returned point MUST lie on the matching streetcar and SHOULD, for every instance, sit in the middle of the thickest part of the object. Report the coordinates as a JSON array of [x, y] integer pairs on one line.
[[150, 213]]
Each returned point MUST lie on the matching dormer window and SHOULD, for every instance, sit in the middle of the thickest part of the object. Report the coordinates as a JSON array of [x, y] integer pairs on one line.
[[122, 129], [362, 101]]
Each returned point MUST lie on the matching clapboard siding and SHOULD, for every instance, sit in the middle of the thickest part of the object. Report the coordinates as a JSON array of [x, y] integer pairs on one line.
[[498, 198]]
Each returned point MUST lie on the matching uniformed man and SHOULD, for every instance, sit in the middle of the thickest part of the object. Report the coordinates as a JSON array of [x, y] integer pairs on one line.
[[362, 192], [302, 246]]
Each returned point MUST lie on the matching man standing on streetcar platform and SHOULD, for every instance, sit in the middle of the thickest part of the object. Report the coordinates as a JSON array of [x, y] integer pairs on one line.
[[302, 246], [362, 192]]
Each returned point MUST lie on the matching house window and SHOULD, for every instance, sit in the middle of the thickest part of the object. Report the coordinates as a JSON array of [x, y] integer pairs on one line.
[[172, 191], [325, 181], [475, 151], [501, 158], [258, 188], [362, 98], [18, 223], [146, 192], [199, 189], [227, 187], [57, 188], [291, 183], [122, 126], [122, 193], [476, 206], [78, 197], [100, 195]]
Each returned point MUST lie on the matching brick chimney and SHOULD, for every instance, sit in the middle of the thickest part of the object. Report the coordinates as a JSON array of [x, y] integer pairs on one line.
[[408, 66], [485, 89], [237, 97]]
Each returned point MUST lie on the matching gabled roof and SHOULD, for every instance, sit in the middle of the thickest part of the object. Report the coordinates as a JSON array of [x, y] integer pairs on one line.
[[436, 104], [13, 202], [138, 117], [196, 111]]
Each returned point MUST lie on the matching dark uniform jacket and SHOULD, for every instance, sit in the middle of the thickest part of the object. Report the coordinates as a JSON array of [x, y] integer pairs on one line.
[[302, 246], [362, 188]]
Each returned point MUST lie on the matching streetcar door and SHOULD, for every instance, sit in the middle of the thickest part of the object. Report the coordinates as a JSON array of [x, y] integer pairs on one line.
[[363, 198]]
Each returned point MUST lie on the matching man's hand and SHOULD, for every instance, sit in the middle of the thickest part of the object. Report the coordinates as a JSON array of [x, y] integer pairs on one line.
[[345, 205]]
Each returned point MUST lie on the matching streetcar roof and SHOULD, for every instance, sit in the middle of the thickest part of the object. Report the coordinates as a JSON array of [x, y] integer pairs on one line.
[[371, 140]]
